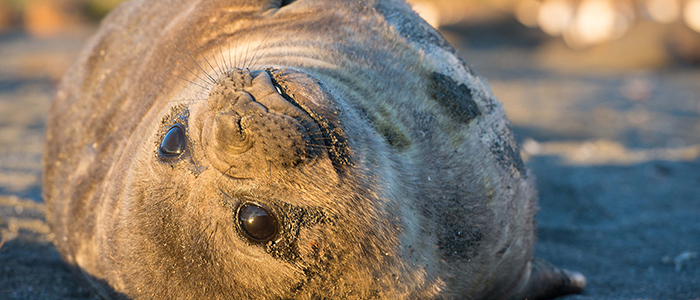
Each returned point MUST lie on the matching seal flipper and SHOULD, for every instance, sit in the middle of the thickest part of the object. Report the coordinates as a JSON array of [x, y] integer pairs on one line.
[[547, 281]]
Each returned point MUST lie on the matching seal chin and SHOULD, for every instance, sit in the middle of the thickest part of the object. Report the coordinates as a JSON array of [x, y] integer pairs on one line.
[[249, 123]]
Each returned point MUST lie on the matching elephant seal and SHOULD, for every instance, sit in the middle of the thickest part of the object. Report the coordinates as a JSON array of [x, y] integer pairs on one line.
[[303, 149]]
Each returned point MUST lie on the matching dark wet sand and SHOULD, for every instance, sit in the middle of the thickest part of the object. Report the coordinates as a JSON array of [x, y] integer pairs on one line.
[[613, 142]]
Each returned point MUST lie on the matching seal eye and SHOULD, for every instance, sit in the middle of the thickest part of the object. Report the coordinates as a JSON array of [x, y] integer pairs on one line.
[[257, 223], [174, 142]]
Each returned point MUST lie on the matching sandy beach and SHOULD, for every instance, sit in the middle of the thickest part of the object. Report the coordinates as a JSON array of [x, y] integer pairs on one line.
[[612, 135]]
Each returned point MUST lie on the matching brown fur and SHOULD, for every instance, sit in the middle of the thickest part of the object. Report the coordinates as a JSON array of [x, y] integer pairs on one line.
[[410, 184]]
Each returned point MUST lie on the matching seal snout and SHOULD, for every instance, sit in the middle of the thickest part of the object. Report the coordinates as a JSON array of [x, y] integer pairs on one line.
[[229, 136], [251, 122]]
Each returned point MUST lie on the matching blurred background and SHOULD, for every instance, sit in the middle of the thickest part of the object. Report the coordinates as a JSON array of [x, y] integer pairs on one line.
[[603, 95]]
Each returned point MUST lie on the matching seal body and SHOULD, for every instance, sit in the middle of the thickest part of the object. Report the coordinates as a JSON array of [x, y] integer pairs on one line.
[[287, 150]]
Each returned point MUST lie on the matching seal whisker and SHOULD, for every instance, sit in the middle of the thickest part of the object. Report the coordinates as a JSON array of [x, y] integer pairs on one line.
[[218, 40], [239, 52], [206, 60], [200, 67], [255, 61], [193, 73], [216, 61], [223, 174], [213, 51], [169, 194], [238, 55], [269, 166], [230, 60], [190, 81], [187, 101], [212, 236], [244, 63], [202, 233]]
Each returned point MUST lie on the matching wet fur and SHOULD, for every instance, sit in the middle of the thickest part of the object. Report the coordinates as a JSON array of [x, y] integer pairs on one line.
[[429, 199]]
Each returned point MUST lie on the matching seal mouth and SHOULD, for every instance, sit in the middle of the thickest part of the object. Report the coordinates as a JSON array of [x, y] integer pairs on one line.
[[254, 123]]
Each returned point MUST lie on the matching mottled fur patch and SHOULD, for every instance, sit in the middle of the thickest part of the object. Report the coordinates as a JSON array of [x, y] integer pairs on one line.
[[456, 99], [507, 151], [390, 132], [461, 243]]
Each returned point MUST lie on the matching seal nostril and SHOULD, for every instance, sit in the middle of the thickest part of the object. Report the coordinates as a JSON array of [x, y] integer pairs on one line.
[[174, 142], [257, 223]]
